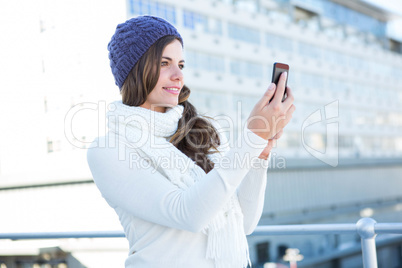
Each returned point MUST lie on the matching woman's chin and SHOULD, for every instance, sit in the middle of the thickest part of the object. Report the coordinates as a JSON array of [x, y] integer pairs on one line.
[[172, 104], [164, 106]]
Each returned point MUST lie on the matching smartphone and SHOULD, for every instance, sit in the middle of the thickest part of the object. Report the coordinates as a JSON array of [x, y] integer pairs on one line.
[[278, 69]]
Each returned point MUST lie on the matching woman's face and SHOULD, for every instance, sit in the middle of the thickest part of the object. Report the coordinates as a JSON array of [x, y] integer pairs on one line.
[[170, 82]]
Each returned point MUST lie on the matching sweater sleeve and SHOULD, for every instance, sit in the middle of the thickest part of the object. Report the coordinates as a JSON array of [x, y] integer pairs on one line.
[[251, 194], [251, 191], [147, 194]]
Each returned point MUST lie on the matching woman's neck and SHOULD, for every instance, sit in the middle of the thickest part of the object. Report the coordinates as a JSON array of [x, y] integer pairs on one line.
[[155, 108]]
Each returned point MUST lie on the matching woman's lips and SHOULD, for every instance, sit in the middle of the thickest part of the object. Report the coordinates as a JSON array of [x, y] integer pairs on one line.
[[172, 90]]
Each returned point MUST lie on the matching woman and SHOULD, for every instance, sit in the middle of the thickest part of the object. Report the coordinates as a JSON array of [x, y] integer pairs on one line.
[[182, 198]]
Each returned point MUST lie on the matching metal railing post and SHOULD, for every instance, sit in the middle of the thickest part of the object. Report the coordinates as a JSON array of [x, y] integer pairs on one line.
[[366, 230]]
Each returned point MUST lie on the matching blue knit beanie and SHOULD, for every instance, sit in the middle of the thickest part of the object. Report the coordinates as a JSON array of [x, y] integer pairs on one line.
[[132, 39]]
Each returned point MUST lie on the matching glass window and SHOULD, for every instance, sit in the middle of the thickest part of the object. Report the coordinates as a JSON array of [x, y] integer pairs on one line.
[[246, 68], [356, 19], [235, 67], [278, 42], [204, 61], [243, 33], [337, 86], [195, 21], [215, 26], [292, 79], [254, 69], [146, 7], [55, 145], [251, 6], [357, 63], [335, 57], [210, 102], [199, 99], [307, 80], [309, 50]]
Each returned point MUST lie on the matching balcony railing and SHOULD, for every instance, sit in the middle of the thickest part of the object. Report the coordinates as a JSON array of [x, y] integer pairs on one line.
[[366, 228]]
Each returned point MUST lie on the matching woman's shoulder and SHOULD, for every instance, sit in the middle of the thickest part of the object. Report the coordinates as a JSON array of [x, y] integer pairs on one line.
[[107, 150], [99, 151]]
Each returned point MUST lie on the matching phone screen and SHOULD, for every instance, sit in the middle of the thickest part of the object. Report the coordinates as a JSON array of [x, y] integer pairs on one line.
[[278, 69]]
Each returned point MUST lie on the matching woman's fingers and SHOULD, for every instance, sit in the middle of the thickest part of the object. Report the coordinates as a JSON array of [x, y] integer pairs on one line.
[[280, 89], [269, 93], [289, 114], [290, 111], [281, 121], [267, 119], [289, 98]]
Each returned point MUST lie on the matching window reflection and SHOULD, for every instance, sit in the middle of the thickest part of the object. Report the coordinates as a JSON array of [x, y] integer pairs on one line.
[[141, 7], [246, 68], [278, 42], [243, 33], [196, 21], [204, 61]]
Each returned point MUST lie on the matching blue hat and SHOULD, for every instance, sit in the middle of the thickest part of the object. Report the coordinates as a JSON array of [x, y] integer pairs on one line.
[[132, 39]]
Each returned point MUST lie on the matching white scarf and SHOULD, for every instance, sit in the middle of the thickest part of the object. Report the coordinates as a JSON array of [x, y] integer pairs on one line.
[[148, 133]]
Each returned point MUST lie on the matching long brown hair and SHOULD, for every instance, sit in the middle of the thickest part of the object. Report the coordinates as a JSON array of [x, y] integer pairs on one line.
[[196, 137]]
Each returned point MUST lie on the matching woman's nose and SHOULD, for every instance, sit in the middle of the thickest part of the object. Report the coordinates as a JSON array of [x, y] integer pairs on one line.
[[177, 74]]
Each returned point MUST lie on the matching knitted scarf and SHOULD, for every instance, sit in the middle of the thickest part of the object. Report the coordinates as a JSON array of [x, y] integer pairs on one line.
[[148, 133]]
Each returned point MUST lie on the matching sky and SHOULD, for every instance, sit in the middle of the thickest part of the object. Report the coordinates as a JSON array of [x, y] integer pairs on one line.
[[395, 6], [391, 5]]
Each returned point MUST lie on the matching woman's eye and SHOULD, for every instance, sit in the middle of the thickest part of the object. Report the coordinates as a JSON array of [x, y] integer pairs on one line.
[[164, 63], [181, 66]]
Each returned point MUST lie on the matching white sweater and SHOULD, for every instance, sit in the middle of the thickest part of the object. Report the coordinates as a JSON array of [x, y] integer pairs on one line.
[[162, 222]]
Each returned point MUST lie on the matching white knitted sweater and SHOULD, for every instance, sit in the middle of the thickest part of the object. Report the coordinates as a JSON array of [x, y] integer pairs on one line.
[[163, 222]]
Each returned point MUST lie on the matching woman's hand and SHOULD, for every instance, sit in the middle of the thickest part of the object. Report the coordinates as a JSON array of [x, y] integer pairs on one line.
[[267, 118], [271, 142]]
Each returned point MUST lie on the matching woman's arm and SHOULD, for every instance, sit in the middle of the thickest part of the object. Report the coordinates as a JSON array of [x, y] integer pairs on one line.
[[251, 194], [251, 191], [145, 193]]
